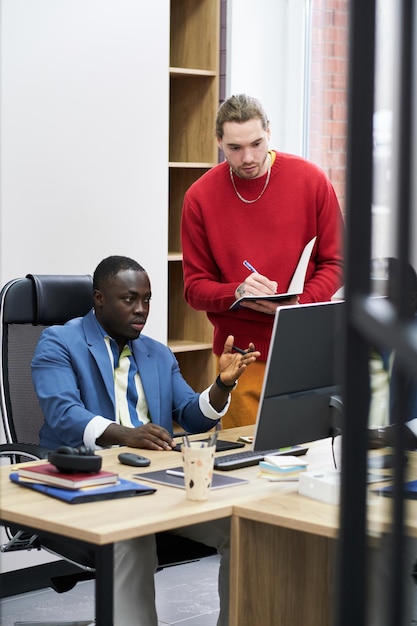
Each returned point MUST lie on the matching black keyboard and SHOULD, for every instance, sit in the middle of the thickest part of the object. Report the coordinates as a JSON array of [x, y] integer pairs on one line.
[[250, 457], [221, 445]]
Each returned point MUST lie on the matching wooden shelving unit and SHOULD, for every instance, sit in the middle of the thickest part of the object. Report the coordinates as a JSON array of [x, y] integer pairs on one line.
[[194, 97]]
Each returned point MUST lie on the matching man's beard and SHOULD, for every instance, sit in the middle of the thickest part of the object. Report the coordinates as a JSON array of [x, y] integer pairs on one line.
[[235, 171]]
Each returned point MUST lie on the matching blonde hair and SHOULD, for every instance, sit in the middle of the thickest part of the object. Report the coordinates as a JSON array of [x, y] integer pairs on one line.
[[240, 108]]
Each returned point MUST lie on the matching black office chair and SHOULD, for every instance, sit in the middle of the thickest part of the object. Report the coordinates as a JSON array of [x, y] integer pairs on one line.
[[27, 306]]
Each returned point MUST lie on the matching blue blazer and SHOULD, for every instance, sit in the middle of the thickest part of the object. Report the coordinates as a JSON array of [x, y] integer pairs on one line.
[[73, 378]]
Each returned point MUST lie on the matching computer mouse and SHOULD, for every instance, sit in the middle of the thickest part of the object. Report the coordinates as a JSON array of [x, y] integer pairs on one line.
[[130, 458]]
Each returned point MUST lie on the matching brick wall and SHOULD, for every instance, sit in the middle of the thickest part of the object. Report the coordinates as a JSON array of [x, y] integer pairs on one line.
[[328, 102]]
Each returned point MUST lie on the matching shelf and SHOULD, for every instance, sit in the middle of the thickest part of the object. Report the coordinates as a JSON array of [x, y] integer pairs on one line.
[[194, 99], [184, 323], [180, 345], [198, 368], [179, 181], [195, 31], [193, 106], [188, 165], [185, 71]]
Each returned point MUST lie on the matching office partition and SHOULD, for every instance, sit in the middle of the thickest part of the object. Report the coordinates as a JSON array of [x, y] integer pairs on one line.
[[371, 322]]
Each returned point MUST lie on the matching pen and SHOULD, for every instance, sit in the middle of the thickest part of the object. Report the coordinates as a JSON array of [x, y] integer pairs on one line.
[[175, 473], [282, 480], [236, 349], [250, 267], [212, 440]]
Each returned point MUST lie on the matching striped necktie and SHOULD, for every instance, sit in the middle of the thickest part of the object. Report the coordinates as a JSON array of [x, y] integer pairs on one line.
[[131, 405]]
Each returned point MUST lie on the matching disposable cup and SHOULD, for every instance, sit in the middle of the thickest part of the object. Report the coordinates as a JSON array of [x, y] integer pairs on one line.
[[198, 462]]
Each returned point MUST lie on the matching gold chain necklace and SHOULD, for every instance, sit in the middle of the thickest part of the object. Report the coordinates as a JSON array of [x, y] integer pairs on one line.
[[260, 195]]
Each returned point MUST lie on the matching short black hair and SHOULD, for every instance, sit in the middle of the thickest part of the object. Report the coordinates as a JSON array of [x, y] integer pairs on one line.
[[111, 266]]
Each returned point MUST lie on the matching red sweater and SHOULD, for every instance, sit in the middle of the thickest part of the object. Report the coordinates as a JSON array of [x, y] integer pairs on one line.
[[219, 231]]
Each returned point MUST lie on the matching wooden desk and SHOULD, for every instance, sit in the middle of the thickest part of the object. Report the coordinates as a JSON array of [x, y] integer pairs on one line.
[[282, 565], [282, 559], [103, 523], [282, 543], [284, 550]]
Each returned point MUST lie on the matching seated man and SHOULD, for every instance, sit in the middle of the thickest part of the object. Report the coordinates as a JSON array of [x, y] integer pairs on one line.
[[76, 371], [386, 436]]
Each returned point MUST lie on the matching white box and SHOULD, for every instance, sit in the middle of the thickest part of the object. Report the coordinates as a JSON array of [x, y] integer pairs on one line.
[[324, 486]]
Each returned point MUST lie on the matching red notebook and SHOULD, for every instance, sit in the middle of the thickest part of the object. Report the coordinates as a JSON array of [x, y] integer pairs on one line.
[[47, 474]]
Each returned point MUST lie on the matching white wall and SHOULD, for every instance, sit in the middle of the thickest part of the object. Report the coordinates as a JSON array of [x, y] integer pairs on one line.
[[266, 43], [84, 143], [84, 138]]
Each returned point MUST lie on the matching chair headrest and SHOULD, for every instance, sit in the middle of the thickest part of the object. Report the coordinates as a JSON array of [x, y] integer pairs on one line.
[[59, 298]]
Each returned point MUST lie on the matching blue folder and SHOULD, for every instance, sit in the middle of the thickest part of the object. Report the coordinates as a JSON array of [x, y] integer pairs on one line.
[[409, 490], [122, 489]]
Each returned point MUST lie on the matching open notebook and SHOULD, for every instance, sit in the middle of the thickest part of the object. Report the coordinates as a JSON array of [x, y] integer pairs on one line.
[[177, 478], [296, 285]]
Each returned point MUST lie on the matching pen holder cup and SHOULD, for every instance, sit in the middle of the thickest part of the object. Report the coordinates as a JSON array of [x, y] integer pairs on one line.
[[198, 462]]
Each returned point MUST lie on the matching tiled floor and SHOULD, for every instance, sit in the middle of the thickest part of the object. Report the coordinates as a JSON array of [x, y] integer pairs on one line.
[[186, 595]]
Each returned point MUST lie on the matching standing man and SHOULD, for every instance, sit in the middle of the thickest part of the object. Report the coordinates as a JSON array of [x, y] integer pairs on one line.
[[101, 383], [262, 206]]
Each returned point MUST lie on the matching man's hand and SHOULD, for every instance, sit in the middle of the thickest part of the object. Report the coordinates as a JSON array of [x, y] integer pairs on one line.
[[150, 437], [259, 285], [386, 437], [233, 364]]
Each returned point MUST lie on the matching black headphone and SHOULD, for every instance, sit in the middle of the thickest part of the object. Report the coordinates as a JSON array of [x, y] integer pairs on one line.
[[81, 459]]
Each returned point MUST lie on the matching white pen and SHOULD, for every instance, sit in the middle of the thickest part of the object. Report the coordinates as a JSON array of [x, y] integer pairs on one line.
[[175, 473], [282, 480], [250, 267]]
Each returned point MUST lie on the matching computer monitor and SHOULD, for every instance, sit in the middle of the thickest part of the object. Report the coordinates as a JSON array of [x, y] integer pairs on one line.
[[301, 390]]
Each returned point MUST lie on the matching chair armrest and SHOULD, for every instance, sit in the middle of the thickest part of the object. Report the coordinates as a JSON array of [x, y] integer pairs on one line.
[[29, 450]]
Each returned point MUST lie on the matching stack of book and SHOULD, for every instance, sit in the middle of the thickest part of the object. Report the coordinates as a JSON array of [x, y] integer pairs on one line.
[[282, 468], [48, 474], [77, 487]]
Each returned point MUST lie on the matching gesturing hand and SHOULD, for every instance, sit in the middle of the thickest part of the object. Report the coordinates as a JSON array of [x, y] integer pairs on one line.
[[232, 364]]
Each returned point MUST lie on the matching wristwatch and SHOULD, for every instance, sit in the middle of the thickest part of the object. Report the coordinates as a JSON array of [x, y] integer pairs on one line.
[[224, 387]]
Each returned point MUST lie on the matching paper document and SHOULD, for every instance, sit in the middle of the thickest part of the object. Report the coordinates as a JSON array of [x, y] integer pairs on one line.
[[296, 285]]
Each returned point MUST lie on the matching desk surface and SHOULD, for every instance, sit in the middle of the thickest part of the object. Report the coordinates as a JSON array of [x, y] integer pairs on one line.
[[114, 520], [106, 522]]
